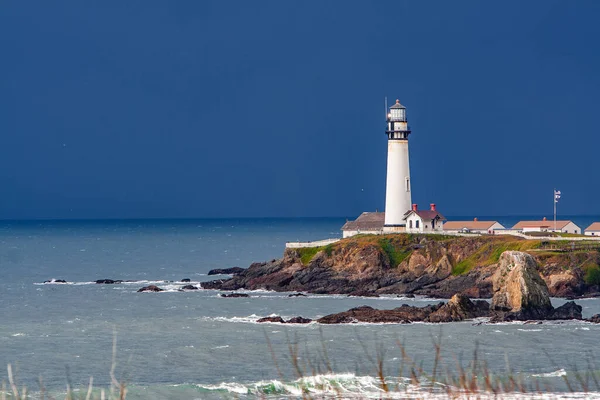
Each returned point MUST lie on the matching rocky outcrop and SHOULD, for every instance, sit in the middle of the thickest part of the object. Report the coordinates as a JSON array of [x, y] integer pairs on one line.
[[521, 294], [460, 308], [186, 280], [426, 265], [297, 295], [189, 287], [226, 271], [150, 288], [519, 290], [234, 295]]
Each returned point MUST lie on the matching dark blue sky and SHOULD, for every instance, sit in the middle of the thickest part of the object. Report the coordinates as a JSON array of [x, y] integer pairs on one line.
[[275, 108]]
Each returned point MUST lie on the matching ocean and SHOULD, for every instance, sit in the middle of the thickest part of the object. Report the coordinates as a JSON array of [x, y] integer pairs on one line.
[[198, 345]]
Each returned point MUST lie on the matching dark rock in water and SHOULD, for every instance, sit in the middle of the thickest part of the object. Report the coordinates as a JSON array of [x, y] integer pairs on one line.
[[226, 271], [297, 295], [362, 293], [272, 319], [189, 287], [460, 308], [109, 281], [150, 288], [400, 315], [216, 284], [408, 296], [533, 322], [299, 320], [186, 280], [233, 295], [56, 281], [595, 319], [569, 310]]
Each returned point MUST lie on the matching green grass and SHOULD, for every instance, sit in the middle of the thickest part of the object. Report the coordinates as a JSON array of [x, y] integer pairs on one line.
[[308, 253], [395, 254]]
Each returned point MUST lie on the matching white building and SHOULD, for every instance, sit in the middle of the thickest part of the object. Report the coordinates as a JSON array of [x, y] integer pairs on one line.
[[424, 221], [593, 229], [474, 226], [397, 190], [547, 226]]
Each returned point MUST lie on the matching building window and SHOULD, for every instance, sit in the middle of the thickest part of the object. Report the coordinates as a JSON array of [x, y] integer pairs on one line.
[[410, 224], [417, 224]]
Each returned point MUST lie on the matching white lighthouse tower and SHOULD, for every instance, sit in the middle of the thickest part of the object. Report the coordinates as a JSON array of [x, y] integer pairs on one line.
[[397, 191]]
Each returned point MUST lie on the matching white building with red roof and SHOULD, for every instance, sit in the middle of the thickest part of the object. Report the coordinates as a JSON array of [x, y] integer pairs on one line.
[[424, 221], [474, 226], [593, 229]]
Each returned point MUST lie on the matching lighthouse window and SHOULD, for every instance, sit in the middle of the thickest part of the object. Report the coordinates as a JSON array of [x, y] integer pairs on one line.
[[407, 184]]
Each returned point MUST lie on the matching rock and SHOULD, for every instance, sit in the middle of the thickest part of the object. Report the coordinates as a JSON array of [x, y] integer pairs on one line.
[[299, 320], [460, 308], [56, 281], [401, 315], [234, 295], [226, 271], [186, 280], [272, 319], [189, 287], [108, 281], [150, 288], [569, 310], [297, 295], [408, 296], [595, 319], [519, 291]]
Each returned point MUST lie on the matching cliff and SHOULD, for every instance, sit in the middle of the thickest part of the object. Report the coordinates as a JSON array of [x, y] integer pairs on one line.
[[431, 265]]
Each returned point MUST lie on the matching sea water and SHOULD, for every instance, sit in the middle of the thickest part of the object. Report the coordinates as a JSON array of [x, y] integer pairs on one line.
[[196, 344]]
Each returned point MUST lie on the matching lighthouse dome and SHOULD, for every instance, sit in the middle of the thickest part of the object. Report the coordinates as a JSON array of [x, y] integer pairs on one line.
[[397, 105]]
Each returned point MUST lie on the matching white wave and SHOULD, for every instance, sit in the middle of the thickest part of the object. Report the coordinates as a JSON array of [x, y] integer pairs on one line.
[[221, 347], [530, 330], [17, 334], [559, 373], [350, 386]]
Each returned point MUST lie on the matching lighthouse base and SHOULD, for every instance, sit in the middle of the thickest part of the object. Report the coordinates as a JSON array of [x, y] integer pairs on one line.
[[394, 228]]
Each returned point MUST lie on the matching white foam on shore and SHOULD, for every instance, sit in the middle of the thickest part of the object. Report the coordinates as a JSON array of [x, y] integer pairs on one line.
[[350, 386]]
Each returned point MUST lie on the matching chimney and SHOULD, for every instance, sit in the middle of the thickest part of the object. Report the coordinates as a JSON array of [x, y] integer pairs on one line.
[[432, 205], [475, 219], [545, 219], [414, 208]]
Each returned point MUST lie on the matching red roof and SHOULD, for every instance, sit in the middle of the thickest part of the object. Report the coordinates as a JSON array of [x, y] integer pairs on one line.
[[426, 214]]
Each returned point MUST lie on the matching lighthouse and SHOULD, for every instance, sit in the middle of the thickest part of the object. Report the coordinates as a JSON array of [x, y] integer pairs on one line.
[[397, 190]]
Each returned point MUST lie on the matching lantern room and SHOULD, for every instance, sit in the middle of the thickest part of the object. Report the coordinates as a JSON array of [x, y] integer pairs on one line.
[[397, 112]]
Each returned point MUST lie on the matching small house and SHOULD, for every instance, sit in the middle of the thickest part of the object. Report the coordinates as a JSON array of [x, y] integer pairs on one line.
[[424, 221], [474, 226], [547, 226], [593, 229]]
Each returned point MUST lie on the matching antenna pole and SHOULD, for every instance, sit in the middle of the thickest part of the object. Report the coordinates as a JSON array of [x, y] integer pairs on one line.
[[386, 109], [554, 198]]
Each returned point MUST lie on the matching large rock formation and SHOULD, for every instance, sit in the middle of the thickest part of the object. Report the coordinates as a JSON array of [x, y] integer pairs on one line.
[[428, 265], [520, 293], [519, 288]]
